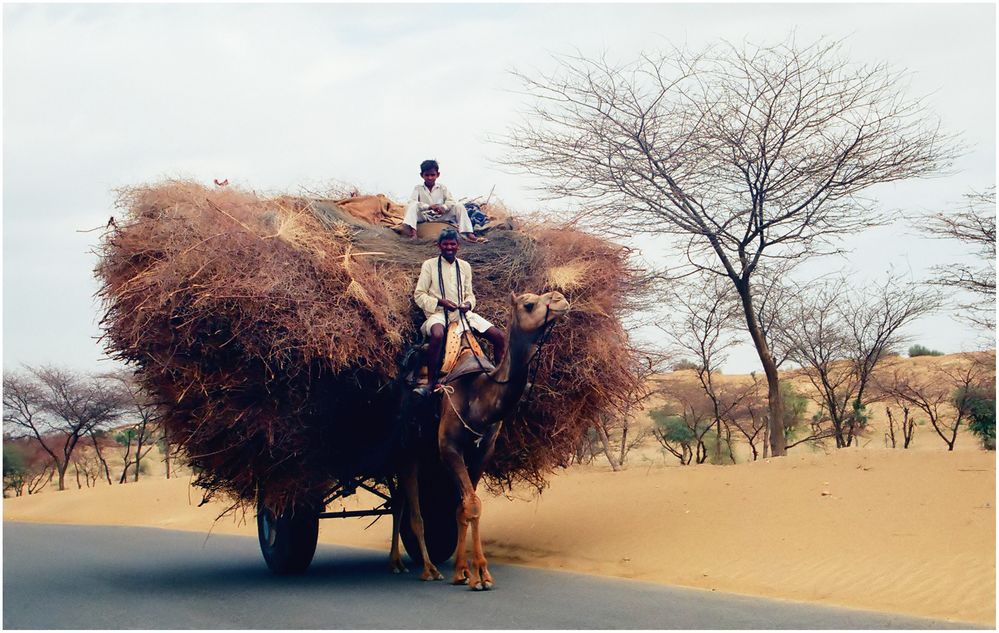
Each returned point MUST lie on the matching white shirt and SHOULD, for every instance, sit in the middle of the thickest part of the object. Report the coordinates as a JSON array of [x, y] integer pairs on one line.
[[428, 289], [426, 198]]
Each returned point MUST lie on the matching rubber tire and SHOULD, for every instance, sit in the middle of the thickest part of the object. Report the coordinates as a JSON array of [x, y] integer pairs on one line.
[[439, 501], [288, 542]]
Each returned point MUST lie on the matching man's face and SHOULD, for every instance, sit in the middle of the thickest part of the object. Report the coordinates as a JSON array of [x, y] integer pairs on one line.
[[430, 177], [449, 249]]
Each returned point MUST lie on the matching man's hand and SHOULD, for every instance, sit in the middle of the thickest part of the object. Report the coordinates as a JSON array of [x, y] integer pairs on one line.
[[448, 304], [465, 307]]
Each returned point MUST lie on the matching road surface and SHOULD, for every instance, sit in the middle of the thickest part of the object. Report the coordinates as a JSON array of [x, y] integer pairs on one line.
[[80, 577]]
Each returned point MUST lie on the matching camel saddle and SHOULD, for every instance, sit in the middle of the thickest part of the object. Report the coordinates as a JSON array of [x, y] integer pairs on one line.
[[462, 354]]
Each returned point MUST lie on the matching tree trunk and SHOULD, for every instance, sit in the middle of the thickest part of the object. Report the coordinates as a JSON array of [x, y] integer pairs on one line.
[[61, 468], [100, 458], [891, 427], [624, 443], [717, 439], [778, 443], [124, 469], [138, 452], [605, 442], [766, 438]]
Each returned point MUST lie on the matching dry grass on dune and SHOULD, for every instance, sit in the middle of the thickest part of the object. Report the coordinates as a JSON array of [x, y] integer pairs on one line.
[[270, 329]]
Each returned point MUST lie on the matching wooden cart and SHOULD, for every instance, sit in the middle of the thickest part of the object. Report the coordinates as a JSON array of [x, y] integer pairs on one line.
[[288, 541]]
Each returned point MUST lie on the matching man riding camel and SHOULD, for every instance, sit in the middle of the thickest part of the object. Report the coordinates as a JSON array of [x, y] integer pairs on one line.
[[444, 293]]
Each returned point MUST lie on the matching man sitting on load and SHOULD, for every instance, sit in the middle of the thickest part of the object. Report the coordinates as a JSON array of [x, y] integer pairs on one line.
[[432, 202], [444, 293]]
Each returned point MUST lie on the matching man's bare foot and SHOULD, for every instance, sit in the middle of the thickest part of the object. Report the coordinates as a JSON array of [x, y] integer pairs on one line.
[[471, 237]]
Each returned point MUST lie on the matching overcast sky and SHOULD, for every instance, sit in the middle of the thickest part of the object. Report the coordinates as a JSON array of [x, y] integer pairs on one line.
[[280, 97]]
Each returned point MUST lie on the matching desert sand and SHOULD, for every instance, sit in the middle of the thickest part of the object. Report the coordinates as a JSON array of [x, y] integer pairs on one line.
[[910, 532]]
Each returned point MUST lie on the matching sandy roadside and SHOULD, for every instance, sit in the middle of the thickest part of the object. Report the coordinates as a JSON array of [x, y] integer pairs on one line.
[[899, 531]]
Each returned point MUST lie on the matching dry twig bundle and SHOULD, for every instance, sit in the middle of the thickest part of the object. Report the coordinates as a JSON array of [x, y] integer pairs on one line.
[[270, 331]]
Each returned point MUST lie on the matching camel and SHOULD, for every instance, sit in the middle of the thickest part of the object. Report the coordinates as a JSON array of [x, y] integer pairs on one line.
[[473, 406]]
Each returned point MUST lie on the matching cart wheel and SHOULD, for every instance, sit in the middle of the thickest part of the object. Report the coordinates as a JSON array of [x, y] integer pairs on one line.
[[288, 541], [439, 501]]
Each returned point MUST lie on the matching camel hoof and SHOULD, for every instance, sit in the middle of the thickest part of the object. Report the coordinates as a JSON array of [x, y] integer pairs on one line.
[[459, 581], [431, 575], [398, 568]]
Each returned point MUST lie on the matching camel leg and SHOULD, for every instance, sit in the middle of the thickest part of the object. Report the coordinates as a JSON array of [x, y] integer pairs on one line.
[[461, 571], [480, 570], [395, 555], [468, 513], [410, 483]]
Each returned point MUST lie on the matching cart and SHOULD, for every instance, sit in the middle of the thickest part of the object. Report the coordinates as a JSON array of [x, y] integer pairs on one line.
[[288, 541]]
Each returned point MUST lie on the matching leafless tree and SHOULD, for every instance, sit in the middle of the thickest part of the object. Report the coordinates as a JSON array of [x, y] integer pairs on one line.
[[681, 426], [603, 428], [906, 426], [699, 320], [975, 227], [100, 442], [749, 416], [838, 334], [629, 439], [941, 393], [27, 468], [743, 154], [145, 408], [87, 464], [57, 407]]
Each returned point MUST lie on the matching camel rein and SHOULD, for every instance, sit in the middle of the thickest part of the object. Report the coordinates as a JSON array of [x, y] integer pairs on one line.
[[533, 363]]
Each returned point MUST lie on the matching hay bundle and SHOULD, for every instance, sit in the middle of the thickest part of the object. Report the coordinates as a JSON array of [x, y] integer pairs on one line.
[[270, 330]]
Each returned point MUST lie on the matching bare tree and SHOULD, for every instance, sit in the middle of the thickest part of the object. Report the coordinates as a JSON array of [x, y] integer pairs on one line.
[[741, 153], [628, 439], [100, 441], [601, 427], [148, 416], [749, 417], [941, 393], [906, 426], [839, 334], [681, 427], [701, 313], [57, 407], [27, 468], [975, 227]]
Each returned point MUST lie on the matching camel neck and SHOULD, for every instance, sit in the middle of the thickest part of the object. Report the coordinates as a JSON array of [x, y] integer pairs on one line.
[[510, 378]]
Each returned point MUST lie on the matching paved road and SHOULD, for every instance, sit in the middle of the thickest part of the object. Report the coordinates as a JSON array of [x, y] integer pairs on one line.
[[62, 577]]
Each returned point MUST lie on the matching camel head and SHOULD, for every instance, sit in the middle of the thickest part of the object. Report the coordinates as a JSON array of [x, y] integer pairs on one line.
[[531, 311]]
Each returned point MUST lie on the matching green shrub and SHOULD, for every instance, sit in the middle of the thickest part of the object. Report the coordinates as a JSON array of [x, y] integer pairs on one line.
[[919, 350], [980, 408], [795, 405], [672, 427]]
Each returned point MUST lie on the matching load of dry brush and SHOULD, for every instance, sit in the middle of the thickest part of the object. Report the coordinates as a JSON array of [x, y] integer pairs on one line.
[[270, 330]]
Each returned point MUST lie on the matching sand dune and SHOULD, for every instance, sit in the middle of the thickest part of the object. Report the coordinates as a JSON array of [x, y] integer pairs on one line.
[[902, 531]]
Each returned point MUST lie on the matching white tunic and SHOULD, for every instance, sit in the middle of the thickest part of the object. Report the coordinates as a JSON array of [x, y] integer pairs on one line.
[[428, 291], [422, 199]]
